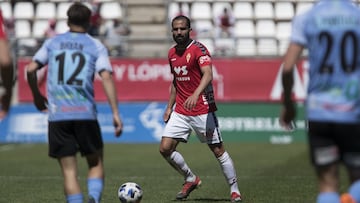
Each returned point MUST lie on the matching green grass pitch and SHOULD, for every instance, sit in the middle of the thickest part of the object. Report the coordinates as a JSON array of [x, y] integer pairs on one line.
[[266, 173]]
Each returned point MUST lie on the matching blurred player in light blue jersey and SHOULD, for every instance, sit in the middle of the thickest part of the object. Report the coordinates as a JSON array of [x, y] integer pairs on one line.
[[73, 59], [331, 33]]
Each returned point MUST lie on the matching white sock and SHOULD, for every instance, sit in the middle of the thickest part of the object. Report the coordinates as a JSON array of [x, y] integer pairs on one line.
[[177, 161], [228, 169]]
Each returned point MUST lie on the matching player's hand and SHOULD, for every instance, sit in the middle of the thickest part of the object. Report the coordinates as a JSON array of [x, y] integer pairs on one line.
[[41, 103], [118, 125], [190, 102], [287, 116]]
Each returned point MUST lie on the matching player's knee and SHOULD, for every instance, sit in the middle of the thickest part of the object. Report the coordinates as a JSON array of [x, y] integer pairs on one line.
[[217, 149], [165, 152]]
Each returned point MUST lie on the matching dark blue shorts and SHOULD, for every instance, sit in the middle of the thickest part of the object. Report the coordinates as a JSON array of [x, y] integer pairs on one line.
[[66, 138], [334, 142]]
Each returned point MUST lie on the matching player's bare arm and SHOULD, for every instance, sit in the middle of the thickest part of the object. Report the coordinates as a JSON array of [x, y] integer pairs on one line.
[[288, 112], [40, 100], [5, 57], [170, 104], [206, 79], [110, 91]]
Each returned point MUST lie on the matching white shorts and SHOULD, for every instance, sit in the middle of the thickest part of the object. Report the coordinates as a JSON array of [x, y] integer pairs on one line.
[[205, 127]]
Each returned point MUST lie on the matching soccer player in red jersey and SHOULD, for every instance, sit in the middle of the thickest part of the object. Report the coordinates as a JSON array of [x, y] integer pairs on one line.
[[192, 108], [6, 71]]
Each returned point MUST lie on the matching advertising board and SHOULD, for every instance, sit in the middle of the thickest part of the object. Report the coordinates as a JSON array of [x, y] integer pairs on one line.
[[143, 123], [235, 80]]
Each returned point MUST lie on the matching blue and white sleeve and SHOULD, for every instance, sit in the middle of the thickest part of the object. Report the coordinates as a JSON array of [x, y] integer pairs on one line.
[[297, 31], [42, 55], [103, 61]]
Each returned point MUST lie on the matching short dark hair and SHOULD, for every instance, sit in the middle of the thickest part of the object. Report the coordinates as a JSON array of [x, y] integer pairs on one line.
[[182, 17], [79, 14]]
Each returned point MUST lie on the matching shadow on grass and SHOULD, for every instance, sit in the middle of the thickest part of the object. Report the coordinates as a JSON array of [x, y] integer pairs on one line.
[[203, 200]]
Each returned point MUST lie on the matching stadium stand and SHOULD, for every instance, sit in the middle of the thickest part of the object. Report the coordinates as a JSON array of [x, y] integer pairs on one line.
[[61, 10], [45, 10], [244, 28], [110, 10], [6, 9], [204, 28], [246, 47], [38, 28], [201, 11], [24, 10], [263, 10], [283, 11], [262, 27], [22, 28], [243, 10]]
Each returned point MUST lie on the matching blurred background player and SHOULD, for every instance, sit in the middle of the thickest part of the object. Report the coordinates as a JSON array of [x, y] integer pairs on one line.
[[192, 96], [115, 37], [73, 58], [51, 29], [96, 20], [331, 33], [225, 23], [6, 71]]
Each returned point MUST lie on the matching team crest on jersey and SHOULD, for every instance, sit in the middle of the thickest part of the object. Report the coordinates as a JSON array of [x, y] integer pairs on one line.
[[188, 56], [204, 59]]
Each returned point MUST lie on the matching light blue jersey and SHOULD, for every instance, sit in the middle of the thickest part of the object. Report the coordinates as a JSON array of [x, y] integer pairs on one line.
[[72, 59], [331, 32]]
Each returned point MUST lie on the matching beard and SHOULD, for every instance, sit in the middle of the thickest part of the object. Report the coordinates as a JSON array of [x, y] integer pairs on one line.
[[181, 39]]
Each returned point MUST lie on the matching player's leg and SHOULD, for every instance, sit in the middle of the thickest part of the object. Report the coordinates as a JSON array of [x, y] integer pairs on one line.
[[62, 146], [176, 130], [328, 182], [351, 155], [177, 161], [168, 151], [95, 181], [91, 146], [325, 156], [207, 130], [353, 193], [228, 169], [72, 189]]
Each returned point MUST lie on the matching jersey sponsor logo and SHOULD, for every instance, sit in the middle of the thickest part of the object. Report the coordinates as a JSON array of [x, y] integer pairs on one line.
[[204, 59], [173, 59], [183, 79], [188, 57], [314, 103], [79, 95], [181, 70]]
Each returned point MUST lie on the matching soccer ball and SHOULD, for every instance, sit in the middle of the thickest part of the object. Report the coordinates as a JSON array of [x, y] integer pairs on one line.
[[130, 192]]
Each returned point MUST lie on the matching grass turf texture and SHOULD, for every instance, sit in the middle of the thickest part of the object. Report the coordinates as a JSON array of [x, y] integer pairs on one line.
[[267, 173]]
